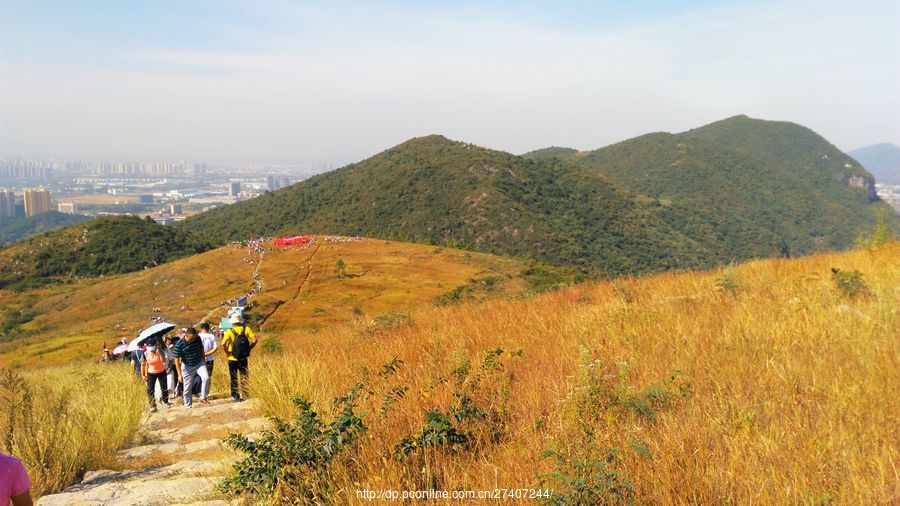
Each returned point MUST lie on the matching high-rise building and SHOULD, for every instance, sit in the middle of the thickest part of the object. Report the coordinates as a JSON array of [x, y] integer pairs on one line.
[[66, 207], [234, 189], [37, 202], [175, 209], [7, 203], [270, 182]]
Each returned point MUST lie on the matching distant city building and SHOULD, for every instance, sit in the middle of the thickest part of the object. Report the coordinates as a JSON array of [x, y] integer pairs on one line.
[[234, 189], [163, 220], [145, 199], [199, 170], [7, 204], [66, 207], [37, 202], [25, 169], [277, 181], [175, 209]]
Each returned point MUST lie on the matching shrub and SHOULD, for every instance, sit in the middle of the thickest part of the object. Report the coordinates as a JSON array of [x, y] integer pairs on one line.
[[727, 282], [297, 454], [587, 480], [272, 344], [850, 284]]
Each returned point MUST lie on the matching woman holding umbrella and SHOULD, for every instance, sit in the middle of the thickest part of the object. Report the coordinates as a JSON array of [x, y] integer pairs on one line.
[[153, 370]]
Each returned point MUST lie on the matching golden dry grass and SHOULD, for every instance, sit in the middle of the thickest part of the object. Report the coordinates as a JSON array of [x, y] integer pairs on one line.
[[779, 389], [63, 421], [74, 320]]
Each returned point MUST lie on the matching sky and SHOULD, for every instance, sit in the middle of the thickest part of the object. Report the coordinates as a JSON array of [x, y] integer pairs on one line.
[[289, 82]]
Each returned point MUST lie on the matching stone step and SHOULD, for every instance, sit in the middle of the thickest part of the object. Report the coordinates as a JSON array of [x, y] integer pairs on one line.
[[178, 482]]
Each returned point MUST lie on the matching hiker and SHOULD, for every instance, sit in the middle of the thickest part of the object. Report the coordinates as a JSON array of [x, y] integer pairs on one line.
[[209, 349], [153, 370], [171, 374], [15, 484], [136, 357], [237, 343], [190, 364]]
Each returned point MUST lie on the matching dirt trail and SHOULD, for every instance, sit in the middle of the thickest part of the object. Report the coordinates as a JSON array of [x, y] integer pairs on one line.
[[309, 264]]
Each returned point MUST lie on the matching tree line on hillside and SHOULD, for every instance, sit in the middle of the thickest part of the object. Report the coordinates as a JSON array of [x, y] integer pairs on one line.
[[107, 245]]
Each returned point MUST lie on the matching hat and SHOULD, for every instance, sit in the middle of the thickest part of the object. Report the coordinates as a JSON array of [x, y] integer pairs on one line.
[[235, 318]]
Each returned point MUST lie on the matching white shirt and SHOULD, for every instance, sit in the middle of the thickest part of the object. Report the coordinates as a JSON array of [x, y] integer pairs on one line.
[[209, 344]]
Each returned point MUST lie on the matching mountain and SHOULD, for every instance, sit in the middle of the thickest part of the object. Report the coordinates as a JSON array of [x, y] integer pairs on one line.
[[106, 245], [746, 187], [438, 191], [882, 160], [13, 230], [735, 189]]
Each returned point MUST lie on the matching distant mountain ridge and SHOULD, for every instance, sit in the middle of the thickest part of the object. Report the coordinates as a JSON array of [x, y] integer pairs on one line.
[[882, 160], [13, 230], [735, 189]]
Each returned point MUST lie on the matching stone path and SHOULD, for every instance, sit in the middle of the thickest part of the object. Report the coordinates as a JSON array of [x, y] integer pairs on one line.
[[177, 458]]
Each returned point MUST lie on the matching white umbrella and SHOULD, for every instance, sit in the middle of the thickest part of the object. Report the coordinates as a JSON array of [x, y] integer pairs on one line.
[[149, 333]]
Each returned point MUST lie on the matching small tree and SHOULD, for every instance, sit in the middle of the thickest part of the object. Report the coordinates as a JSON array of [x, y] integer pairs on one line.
[[340, 267]]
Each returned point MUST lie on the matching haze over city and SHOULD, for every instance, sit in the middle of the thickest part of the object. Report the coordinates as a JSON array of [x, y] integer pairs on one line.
[[279, 82]]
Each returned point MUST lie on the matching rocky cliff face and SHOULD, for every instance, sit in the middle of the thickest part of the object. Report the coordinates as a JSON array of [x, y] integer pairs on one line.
[[862, 182]]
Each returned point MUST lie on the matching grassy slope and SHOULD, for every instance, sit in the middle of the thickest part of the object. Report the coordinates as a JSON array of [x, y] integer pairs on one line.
[[72, 320], [775, 393]]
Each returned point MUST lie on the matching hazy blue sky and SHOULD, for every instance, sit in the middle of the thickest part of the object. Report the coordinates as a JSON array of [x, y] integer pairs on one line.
[[288, 82]]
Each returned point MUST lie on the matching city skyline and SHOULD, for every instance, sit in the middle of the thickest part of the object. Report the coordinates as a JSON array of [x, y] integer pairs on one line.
[[285, 83]]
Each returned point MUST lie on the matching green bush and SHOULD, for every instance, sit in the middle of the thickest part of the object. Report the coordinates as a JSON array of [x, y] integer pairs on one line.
[[850, 284], [296, 454]]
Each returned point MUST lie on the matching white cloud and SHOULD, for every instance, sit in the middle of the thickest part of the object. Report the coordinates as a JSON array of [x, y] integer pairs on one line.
[[340, 90]]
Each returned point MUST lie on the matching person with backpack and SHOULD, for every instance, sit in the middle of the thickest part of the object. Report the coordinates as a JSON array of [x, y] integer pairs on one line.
[[237, 342], [191, 363]]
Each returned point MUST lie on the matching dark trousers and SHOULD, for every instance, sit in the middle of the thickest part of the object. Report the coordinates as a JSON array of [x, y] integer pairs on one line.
[[160, 378], [235, 368]]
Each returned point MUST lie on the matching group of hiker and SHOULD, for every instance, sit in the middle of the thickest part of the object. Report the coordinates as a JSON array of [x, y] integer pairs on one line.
[[182, 365]]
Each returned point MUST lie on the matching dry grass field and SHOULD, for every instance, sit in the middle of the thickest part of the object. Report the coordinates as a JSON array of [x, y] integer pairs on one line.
[[72, 321], [770, 382]]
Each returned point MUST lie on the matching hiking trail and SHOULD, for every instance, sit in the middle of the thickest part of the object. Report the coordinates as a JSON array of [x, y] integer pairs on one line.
[[300, 287], [177, 456]]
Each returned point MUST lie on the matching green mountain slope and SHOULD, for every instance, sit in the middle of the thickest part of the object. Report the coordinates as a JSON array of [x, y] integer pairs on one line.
[[16, 229], [438, 191], [747, 188], [107, 245]]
